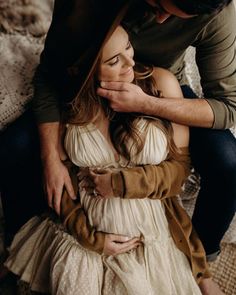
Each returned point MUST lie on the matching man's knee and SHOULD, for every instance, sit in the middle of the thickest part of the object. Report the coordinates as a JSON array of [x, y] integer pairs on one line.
[[213, 150]]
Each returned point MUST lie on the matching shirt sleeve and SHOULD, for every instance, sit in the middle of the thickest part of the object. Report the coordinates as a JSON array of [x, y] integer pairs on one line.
[[150, 181], [70, 50], [45, 100], [216, 60]]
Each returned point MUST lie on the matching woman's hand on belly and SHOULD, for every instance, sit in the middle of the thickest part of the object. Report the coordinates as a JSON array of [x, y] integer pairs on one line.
[[97, 182], [118, 244]]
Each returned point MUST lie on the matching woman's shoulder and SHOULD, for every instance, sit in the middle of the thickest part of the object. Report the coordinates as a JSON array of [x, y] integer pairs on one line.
[[166, 82], [160, 73]]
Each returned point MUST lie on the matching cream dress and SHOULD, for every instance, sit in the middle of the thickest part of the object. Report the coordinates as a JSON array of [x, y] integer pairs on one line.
[[51, 260]]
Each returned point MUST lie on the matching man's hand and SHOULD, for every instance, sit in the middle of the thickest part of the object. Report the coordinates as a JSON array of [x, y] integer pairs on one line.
[[117, 244], [123, 96], [97, 181], [56, 177]]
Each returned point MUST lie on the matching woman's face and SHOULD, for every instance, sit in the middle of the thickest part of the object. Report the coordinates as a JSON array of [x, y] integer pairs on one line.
[[117, 58]]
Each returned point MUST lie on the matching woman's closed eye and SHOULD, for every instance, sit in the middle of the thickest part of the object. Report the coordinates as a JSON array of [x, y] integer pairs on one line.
[[114, 61]]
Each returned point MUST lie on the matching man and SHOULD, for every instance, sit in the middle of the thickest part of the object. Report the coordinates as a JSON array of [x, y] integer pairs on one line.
[[72, 44]]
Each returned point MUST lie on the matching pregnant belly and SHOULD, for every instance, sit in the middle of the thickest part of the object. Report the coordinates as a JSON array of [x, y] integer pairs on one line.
[[128, 217]]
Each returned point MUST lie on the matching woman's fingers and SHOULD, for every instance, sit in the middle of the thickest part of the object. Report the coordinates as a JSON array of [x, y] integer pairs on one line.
[[129, 247], [118, 244]]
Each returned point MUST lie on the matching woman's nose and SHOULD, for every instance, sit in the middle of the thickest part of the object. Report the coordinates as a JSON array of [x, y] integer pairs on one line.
[[128, 60]]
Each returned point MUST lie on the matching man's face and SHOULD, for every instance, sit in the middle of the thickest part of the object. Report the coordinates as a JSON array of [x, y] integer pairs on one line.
[[165, 8]]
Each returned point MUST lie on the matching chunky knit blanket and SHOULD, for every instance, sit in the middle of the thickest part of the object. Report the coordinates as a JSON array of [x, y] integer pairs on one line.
[[23, 25]]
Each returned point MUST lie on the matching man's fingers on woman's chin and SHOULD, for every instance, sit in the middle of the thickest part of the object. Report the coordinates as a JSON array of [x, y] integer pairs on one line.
[[112, 85], [101, 91]]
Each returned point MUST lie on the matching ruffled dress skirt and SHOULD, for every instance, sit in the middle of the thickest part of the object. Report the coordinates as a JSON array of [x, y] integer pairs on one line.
[[52, 261]]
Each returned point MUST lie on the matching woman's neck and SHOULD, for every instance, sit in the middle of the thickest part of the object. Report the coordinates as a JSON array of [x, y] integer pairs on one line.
[[102, 123]]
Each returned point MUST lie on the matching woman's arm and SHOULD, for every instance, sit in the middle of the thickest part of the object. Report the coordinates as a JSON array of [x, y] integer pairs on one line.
[[150, 181]]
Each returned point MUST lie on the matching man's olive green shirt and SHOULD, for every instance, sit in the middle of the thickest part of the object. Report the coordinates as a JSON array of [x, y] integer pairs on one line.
[[213, 36], [162, 45]]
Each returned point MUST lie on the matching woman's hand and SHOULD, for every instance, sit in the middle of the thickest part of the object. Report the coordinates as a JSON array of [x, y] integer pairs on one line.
[[117, 244], [97, 181]]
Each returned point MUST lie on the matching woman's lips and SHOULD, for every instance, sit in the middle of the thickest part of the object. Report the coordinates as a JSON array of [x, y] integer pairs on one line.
[[129, 71]]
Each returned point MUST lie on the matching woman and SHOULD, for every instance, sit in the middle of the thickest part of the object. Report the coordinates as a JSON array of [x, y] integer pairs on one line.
[[51, 260]]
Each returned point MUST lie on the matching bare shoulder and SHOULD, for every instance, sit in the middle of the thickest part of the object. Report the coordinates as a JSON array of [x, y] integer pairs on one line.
[[167, 83]]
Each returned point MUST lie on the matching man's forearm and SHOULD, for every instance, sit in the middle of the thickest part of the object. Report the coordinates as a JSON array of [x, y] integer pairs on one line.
[[127, 97], [49, 140], [190, 112]]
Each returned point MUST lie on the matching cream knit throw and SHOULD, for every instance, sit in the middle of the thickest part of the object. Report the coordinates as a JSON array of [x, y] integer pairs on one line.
[[23, 25]]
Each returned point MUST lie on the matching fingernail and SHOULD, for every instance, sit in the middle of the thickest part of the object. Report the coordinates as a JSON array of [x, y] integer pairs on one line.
[[103, 84]]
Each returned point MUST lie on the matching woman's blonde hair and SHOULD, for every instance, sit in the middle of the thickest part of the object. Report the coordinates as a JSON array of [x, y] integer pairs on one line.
[[87, 106]]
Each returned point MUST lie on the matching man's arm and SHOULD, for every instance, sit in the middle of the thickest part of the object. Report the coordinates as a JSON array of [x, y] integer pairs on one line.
[[216, 60], [56, 176], [47, 114], [53, 85], [46, 107], [125, 97]]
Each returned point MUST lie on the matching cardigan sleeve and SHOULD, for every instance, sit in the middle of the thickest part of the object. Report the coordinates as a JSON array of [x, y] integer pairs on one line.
[[75, 220], [150, 181]]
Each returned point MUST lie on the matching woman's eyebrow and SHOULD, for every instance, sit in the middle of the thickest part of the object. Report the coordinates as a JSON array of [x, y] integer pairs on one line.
[[111, 58]]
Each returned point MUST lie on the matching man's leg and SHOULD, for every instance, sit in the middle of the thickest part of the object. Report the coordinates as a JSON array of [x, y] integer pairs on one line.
[[20, 173], [213, 154]]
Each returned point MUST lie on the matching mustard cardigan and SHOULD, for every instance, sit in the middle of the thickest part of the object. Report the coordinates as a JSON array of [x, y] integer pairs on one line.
[[161, 182]]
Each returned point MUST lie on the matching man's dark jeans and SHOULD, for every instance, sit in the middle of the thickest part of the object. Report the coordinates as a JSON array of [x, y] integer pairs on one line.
[[213, 154], [20, 173]]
